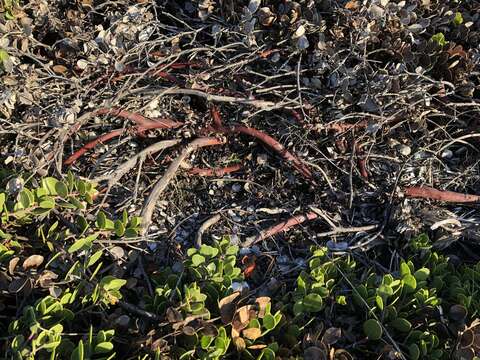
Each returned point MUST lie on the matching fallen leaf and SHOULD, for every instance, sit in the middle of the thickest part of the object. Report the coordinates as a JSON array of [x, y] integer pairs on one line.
[[32, 261], [351, 5], [12, 265], [227, 307]]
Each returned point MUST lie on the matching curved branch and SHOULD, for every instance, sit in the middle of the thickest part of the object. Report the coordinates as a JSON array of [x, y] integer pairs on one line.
[[149, 205]]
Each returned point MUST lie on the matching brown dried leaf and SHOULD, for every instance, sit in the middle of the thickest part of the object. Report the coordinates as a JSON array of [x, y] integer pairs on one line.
[[262, 302], [252, 333], [59, 69], [12, 265], [257, 347], [332, 335], [244, 314], [188, 330], [352, 5], [239, 343], [174, 315], [46, 278], [33, 261], [227, 307]]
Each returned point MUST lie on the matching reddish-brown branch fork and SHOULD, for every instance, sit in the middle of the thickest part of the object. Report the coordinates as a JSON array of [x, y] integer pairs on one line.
[[215, 171], [426, 192], [266, 139], [143, 124], [281, 227]]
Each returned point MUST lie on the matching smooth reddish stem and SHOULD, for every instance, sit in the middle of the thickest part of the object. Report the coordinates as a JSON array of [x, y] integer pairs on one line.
[[140, 119], [215, 171], [275, 145], [266, 139], [283, 226], [90, 145], [143, 124], [426, 192]]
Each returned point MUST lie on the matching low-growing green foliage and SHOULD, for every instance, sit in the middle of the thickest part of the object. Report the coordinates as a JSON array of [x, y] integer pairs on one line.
[[65, 301]]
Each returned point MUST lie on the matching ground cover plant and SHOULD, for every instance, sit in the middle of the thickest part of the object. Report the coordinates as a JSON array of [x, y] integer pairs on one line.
[[239, 179]]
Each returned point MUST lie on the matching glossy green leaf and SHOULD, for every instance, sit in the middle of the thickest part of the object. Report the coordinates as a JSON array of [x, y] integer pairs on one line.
[[372, 329], [197, 259], [312, 303], [61, 189], [409, 283], [119, 228], [401, 324], [414, 351], [104, 347]]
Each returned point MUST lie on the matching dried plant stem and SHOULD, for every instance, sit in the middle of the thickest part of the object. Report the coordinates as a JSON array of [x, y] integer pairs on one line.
[[128, 165], [204, 227], [149, 205]]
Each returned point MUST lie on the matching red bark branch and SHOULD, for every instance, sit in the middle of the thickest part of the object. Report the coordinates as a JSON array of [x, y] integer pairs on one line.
[[141, 120], [90, 145], [283, 226], [426, 192], [266, 139], [215, 171], [143, 124]]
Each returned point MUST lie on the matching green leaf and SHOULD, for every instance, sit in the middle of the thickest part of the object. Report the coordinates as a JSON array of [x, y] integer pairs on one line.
[[409, 283], [47, 203], [94, 258], [3, 199], [101, 220], [385, 291], [25, 198], [61, 189], [76, 203], [414, 351], [5, 62], [119, 228], [103, 347], [404, 269], [439, 38], [269, 322], [50, 184], [232, 250], [205, 341], [312, 303], [267, 354], [82, 244], [197, 259], [112, 283], [379, 302], [209, 251], [372, 329], [401, 324], [422, 274], [458, 19], [78, 353], [131, 233]]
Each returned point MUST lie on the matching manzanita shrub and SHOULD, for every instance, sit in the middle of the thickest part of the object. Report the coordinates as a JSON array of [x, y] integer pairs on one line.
[[66, 297]]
